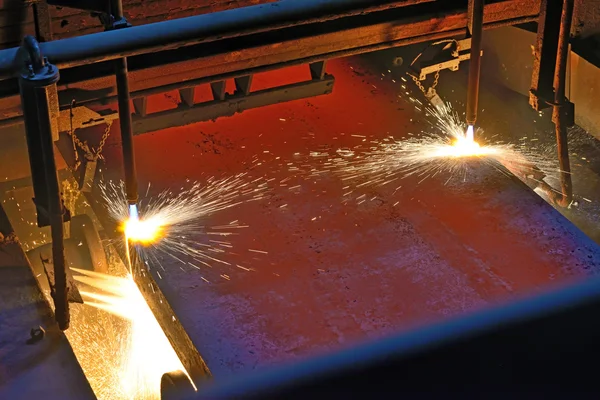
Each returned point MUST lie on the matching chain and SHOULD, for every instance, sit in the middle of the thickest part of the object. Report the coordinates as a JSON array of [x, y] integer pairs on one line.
[[436, 80], [94, 155], [98, 154]]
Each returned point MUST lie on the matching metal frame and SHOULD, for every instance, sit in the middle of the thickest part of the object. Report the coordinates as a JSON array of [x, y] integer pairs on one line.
[[224, 104], [548, 85], [37, 82], [229, 46]]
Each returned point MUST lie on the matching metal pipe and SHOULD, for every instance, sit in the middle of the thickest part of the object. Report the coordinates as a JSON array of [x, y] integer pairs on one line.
[[172, 34], [124, 101], [558, 111], [126, 131], [476, 31]]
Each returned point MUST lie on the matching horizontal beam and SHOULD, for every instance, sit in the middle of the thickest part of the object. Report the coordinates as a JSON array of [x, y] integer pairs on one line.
[[185, 115], [267, 51], [182, 32]]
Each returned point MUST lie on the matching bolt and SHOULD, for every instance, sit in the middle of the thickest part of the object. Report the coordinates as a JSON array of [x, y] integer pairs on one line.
[[398, 61], [31, 71], [37, 334]]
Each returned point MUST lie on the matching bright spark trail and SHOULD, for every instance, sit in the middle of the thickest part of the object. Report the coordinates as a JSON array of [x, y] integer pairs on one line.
[[145, 352], [175, 225], [446, 149]]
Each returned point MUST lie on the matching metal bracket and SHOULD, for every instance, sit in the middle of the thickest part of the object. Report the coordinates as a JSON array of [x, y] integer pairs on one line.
[[88, 175], [567, 109], [434, 98], [110, 23], [447, 55], [83, 117]]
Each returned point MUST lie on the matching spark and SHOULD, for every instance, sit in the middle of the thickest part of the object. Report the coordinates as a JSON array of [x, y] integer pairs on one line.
[[176, 224], [140, 370], [447, 148]]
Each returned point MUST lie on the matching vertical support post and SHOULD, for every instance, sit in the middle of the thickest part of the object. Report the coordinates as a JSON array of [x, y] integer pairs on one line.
[[218, 90], [42, 21], [140, 106], [317, 70], [36, 81], [476, 33], [187, 96], [243, 84], [559, 111], [544, 54]]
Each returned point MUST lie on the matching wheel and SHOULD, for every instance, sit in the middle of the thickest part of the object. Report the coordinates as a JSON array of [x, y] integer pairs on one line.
[[176, 385], [84, 231]]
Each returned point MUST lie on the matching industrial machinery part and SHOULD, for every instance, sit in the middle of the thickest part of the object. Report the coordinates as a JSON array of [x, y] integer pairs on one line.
[[448, 54], [83, 250], [225, 104], [38, 83], [476, 8], [548, 85], [59, 289], [115, 21], [559, 111], [273, 37], [541, 95], [176, 386], [521, 350]]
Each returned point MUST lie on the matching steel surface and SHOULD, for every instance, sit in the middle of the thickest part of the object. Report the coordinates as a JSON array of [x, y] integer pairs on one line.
[[338, 273]]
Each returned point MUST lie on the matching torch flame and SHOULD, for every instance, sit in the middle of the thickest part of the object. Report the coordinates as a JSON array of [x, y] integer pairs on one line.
[[143, 231]]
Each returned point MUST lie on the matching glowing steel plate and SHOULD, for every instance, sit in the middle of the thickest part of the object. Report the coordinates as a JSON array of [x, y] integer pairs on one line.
[[342, 267]]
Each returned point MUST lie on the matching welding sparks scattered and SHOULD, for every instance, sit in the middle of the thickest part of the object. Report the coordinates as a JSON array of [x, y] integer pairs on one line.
[[140, 370], [176, 225], [447, 149]]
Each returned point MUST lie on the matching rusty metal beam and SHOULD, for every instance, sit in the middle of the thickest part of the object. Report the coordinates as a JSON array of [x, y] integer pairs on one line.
[[258, 53], [232, 104], [204, 28]]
